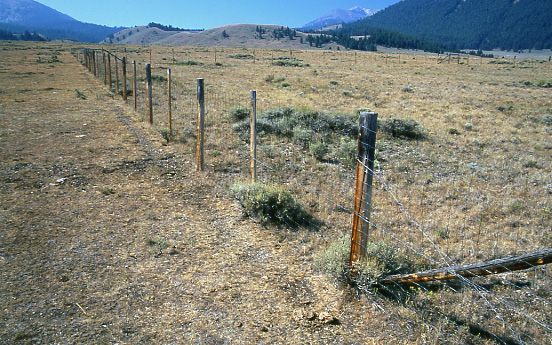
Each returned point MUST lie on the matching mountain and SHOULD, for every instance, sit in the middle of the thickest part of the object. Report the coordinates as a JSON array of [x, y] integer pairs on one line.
[[339, 16], [28, 15], [234, 35], [468, 24]]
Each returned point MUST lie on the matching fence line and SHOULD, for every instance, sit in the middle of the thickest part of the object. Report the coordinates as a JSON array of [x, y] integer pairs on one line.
[[220, 103]]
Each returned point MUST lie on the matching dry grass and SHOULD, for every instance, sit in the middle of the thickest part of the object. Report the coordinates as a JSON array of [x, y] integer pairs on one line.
[[478, 187]]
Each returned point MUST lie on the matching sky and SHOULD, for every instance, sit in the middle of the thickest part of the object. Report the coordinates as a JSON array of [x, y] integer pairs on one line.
[[204, 14]]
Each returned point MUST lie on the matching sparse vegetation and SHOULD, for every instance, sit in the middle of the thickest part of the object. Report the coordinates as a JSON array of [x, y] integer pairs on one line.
[[271, 204], [480, 195], [400, 127]]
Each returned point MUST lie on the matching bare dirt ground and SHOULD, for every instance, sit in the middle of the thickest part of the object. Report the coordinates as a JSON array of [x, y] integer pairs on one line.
[[107, 237]]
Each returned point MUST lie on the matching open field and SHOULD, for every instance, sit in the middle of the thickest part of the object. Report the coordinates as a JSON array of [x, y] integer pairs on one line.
[[108, 235]]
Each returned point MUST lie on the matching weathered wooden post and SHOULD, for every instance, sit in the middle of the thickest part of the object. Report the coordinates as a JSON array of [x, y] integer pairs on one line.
[[116, 75], [94, 63], [169, 120], [200, 124], [105, 68], [363, 187], [515, 60], [134, 93], [109, 70], [149, 98], [123, 62], [253, 139]]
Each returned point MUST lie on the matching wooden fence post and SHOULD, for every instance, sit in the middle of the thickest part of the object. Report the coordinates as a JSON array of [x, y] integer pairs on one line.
[[134, 92], [200, 124], [116, 76], [105, 69], [253, 139], [363, 187], [110, 81], [169, 121], [94, 63], [123, 62], [149, 98]]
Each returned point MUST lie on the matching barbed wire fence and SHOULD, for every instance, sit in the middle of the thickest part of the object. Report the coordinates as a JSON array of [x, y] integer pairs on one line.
[[279, 160]]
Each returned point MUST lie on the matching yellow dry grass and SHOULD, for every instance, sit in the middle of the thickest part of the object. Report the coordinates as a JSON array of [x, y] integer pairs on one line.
[[479, 188]]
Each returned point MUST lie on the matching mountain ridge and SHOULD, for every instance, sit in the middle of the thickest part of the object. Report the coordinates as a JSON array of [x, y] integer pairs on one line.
[[339, 16], [19, 16]]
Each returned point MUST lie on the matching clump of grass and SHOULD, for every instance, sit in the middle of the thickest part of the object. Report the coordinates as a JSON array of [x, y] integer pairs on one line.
[[289, 62], [381, 261], [79, 94], [159, 78], [347, 93], [270, 204], [400, 127], [241, 56], [189, 63], [166, 135], [238, 113], [107, 191], [318, 150], [547, 119]]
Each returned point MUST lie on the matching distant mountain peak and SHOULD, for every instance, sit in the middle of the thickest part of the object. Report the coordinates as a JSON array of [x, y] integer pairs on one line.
[[29, 12], [339, 16]]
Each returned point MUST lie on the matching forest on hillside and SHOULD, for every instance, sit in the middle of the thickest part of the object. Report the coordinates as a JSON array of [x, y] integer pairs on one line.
[[470, 24]]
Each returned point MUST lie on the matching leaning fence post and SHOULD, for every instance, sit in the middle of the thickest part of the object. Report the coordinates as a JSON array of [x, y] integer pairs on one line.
[[169, 104], [123, 62], [134, 93], [149, 98], [253, 140], [363, 186], [200, 124]]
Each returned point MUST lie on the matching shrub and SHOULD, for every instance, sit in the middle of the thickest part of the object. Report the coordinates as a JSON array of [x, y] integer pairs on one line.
[[189, 63], [241, 56], [381, 261], [346, 151], [547, 119], [318, 150], [238, 113], [271, 204], [303, 135], [400, 127]]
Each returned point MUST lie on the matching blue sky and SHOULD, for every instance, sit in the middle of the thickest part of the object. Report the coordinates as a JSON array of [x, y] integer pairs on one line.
[[204, 13]]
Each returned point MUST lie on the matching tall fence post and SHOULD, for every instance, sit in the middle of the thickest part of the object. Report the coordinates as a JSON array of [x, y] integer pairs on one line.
[[116, 76], [200, 124], [110, 81], [94, 63], [169, 106], [149, 97], [363, 187], [123, 62], [134, 91], [105, 68], [253, 140]]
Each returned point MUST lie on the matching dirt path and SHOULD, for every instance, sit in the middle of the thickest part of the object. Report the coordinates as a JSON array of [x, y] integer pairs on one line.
[[109, 237]]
